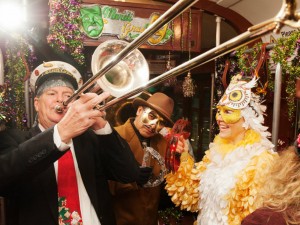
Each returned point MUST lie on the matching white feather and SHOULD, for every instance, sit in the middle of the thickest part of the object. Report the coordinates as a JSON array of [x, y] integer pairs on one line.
[[251, 83]]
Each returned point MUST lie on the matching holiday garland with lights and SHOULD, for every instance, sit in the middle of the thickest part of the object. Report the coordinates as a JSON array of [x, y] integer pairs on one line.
[[65, 35]]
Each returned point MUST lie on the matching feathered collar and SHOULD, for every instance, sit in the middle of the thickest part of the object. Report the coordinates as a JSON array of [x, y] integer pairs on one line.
[[223, 146]]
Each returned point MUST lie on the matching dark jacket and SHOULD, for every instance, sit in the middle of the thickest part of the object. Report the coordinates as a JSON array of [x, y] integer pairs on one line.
[[27, 176]]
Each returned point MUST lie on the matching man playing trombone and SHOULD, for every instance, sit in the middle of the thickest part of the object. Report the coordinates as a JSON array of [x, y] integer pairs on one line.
[[57, 172]]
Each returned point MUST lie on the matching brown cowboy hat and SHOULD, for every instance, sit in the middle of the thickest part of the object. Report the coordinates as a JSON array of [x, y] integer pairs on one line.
[[159, 102]]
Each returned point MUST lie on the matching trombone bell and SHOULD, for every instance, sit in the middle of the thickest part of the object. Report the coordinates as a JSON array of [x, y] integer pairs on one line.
[[126, 75]]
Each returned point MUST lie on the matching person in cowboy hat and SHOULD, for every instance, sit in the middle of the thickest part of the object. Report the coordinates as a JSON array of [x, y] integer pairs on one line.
[[137, 203], [223, 186], [32, 177]]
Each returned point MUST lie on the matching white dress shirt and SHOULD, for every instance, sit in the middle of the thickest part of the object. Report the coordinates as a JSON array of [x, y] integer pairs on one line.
[[88, 213]]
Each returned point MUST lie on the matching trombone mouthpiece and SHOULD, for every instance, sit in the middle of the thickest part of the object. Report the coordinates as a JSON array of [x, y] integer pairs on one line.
[[59, 109]]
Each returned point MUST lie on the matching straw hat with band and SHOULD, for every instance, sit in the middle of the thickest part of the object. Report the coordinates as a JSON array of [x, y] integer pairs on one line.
[[53, 74], [159, 102]]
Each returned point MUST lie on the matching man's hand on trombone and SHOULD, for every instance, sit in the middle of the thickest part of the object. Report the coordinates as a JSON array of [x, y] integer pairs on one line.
[[82, 114]]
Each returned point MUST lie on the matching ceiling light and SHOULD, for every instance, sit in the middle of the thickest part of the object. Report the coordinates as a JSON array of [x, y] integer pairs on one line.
[[12, 16]]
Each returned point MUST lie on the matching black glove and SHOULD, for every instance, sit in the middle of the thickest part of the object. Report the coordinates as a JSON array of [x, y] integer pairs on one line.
[[145, 174]]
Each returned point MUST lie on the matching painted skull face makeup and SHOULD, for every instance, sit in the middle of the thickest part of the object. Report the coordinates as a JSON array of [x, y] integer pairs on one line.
[[151, 118]]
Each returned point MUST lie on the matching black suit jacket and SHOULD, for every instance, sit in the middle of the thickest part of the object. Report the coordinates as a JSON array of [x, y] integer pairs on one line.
[[27, 176]]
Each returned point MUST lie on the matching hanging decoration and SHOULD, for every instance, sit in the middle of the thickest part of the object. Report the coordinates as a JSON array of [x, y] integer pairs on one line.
[[12, 97], [64, 32], [173, 80], [188, 85], [182, 32]]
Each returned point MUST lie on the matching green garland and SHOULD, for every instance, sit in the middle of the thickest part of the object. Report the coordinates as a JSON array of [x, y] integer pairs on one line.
[[286, 52], [12, 102], [247, 60]]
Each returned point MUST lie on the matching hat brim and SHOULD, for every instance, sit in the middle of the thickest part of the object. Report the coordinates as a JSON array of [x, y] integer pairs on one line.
[[141, 102]]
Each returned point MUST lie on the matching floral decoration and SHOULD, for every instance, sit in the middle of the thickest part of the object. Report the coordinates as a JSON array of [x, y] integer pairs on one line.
[[65, 35]]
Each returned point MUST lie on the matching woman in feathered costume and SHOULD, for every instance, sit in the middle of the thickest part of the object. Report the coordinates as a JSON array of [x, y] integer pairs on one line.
[[223, 187]]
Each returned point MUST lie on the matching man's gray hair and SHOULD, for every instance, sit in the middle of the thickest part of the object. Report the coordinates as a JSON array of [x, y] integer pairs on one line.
[[54, 82]]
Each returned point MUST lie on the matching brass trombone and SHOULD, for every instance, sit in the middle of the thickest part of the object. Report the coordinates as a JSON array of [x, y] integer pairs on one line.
[[165, 18], [286, 16]]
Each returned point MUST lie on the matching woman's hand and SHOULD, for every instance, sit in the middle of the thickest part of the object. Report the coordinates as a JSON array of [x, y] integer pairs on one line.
[[182, 145]]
